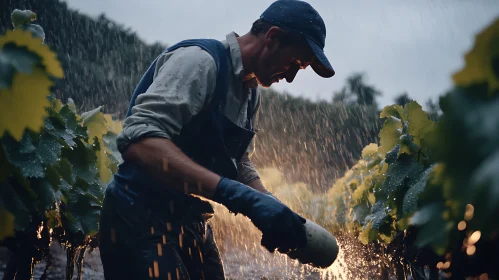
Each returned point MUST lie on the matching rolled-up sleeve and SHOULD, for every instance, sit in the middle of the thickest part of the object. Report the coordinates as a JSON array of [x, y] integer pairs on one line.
[[246, 168], [182, 85]]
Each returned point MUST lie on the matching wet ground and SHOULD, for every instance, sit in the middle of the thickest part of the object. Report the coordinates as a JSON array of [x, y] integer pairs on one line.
[[238, 264], [238, 242]]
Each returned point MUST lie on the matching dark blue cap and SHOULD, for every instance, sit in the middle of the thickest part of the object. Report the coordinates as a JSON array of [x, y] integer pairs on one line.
[[300, 17]]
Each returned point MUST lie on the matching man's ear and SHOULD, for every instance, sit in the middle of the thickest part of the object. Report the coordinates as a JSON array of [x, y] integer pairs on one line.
[[273, 38]]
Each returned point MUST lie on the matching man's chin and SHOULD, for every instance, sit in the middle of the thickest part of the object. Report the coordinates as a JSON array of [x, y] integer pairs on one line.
[[265, 83]]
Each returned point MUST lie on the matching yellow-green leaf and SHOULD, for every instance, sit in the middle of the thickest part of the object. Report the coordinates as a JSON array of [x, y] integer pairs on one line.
[[368, 235], [96, 124], [478, 61], [418, 122], [23, 105], [394, 110], [112, 125], [19, 17], [389, 134], [23, 38], [369, 150], [6, 224]]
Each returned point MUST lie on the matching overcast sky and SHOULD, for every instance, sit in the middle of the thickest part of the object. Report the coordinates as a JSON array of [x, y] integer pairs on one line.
[[409, 45]]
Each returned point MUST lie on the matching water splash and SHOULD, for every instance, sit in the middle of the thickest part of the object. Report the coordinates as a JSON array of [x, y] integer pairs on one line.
[[244, 258]]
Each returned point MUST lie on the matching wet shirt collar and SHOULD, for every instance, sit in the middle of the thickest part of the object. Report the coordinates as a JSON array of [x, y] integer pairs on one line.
[[237, 61]]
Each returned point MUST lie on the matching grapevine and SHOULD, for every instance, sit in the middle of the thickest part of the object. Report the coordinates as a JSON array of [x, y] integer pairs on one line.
[[54, 162], [434, 184], [425, 194]]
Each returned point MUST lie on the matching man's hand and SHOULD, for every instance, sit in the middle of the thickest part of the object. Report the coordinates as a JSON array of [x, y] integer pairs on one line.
[[282, 229]]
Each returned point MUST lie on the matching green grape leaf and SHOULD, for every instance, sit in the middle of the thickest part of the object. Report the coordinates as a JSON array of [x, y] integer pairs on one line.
[[426, 214], [26, 145], [47, 196], [393, 154], [85, 206], [83, 160], [96, 191], [110, 142], [359, 213], [71, 122], [55, 125], [407, 145], [11, 201], [21, 59], [65, 169], [7, 224], [14, 59], [31, 157], [65, 189], [52, 176], [36, 30], [49, 149], [486, 176], [389, 134], [70, 222], [433, 229], [5, 167], [411, 198], [90, 220], [400, 173], [29, 163], [378, 215]]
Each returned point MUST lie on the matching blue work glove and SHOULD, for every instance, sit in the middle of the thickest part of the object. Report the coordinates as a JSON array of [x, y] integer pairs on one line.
[[282, 229]]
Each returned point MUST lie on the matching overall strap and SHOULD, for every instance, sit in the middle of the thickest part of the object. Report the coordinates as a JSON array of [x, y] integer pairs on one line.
[[251, 109], [214, 47]]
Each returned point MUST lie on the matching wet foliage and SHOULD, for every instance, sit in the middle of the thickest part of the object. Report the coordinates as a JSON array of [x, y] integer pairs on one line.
[[415, 193], [54, 162], [428, 190]]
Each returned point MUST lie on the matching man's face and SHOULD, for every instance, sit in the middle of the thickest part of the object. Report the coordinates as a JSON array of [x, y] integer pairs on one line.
[[279, 61]]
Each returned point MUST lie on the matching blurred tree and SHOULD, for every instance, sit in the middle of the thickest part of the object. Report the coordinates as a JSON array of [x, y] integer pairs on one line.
[[433, 110], [366, 94], [341, 96], [402, 99]]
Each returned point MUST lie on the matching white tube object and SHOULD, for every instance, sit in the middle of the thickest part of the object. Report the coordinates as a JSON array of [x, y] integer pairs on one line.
[[321, 249]]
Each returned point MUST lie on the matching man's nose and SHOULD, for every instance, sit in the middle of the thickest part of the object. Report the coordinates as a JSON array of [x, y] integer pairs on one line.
[[290, 74]]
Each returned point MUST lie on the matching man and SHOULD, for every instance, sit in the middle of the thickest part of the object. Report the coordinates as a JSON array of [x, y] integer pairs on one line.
[[186, 139]]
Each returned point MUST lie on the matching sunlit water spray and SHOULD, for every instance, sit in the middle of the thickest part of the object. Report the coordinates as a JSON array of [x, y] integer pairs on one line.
[[244, 258]]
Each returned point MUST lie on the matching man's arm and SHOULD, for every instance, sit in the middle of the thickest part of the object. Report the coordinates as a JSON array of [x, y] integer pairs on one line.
[[182, 85], [165, 161], [247, 171], [258, 185]]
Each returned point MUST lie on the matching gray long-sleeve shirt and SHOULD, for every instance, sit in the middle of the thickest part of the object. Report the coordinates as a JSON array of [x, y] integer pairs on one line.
[[183, 85]]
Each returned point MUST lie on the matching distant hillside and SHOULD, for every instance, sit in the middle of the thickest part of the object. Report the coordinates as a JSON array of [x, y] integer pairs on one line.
[[103, 61]]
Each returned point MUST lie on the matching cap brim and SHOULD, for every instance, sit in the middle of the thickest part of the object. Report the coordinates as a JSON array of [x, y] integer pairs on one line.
[[320, 64]]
